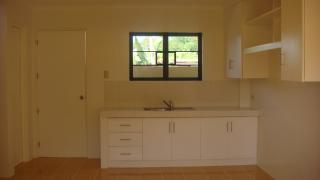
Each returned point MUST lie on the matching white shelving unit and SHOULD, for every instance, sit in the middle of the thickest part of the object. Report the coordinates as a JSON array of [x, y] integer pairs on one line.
[[262, 48], [267, 16], [253, 38]]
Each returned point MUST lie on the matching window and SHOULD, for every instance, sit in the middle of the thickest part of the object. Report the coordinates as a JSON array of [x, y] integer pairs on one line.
[[165, 56]]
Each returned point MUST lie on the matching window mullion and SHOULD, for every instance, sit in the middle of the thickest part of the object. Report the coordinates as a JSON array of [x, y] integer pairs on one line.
[[165, 57]]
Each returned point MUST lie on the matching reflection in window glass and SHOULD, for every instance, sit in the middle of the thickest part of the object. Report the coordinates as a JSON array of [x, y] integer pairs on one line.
[[145, 49]]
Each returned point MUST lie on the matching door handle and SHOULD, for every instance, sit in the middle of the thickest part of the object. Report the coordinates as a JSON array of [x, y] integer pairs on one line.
[[81, 97]]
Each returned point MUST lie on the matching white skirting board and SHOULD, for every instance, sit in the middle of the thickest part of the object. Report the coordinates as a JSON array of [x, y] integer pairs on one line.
[[180, 163]]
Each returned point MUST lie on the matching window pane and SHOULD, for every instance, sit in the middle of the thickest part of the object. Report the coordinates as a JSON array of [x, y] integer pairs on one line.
[[187, 58], [171, 58], [183, 71], [147, 43], [144, 58], [183, 43], [148, 71], [159, 58]]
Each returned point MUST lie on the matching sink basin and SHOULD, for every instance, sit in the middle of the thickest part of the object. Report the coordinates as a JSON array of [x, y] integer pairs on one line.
[[156, 109], [167, 109], [183, 108]]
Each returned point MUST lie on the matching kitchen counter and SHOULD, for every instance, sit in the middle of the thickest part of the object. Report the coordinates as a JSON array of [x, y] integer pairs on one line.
[[196, 112]]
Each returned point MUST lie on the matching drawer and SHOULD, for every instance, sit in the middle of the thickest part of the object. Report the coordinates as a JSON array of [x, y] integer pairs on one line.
[[125, 139], [125, 125], [125, 153]]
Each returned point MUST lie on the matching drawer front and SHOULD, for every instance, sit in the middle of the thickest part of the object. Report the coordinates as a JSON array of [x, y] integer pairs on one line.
[[125, 125], [125, 153], [124, 139]]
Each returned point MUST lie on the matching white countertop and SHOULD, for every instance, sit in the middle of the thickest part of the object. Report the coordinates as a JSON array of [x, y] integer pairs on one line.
[[196, 112]]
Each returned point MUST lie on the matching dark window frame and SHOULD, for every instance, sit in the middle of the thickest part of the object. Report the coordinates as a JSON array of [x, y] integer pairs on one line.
[[165, 56]]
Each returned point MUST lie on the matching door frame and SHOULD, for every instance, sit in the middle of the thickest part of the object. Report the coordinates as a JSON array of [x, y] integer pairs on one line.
[[34, 80]]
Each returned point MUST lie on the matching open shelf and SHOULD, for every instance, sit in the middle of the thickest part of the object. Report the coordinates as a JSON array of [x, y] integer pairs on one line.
[[264, 17], [263, 47]]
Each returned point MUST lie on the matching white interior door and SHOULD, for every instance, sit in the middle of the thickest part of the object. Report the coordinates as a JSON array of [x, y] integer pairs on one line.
[[14, 93], [61, 90]]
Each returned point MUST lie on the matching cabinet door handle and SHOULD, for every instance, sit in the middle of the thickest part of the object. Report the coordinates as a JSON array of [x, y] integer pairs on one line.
[[125, 154], [169, 127], [125, 125], [125, 139], [227, 126]]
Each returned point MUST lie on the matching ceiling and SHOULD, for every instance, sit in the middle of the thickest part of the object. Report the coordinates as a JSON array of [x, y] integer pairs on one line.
[[129, 2]]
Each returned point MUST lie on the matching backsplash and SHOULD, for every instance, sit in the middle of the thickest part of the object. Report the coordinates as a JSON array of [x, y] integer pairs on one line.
[[141, 94]]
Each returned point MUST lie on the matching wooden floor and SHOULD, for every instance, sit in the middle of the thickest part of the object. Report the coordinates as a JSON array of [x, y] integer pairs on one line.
[[87, 169]]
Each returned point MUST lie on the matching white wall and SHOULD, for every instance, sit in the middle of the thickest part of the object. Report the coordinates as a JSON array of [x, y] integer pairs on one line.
[[14, 109], [289, 128], [5, 169], [107, 49]]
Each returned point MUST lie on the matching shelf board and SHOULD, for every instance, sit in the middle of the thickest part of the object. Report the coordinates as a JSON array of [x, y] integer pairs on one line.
[[263, 47], [264, 16]]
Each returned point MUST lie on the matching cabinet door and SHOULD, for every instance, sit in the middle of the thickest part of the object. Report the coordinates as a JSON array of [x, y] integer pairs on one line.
[[312, 39], [233, 41], [292, 40], [156, 139], [243, 137], [186, 138], [214, 138]]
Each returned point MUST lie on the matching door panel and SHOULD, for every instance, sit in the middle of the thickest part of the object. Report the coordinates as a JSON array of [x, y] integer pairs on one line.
[[61, 67], [243, 138], [186, 138], [214, 138], [14, 101], [156, 139]]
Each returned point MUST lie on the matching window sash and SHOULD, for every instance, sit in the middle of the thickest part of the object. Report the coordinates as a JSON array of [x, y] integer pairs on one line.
[[165, 56]]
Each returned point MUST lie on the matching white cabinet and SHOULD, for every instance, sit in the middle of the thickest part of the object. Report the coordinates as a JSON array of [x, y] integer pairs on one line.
[[229, 138], [166, 139], [252, 35], [214, 139], [124, 139], [178, 141], [157, 139], [242, 140], [300, 39], [186, 138]]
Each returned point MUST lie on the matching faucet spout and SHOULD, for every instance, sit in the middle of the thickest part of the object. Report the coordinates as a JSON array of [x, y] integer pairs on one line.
[[169, 104]]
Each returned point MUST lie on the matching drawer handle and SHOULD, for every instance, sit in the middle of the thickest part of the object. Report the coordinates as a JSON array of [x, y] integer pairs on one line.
[[125, 154], [128, 139], [125, 125]]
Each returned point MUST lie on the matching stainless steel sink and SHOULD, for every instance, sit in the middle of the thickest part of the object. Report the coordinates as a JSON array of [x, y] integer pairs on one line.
[[183, 108], [167, 109], [156, 109]]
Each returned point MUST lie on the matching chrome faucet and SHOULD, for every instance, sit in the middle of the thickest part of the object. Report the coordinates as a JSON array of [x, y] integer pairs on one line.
[[169, 104]]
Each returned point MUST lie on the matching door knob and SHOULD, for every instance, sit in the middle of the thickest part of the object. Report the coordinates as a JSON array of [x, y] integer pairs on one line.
[[81, 97]]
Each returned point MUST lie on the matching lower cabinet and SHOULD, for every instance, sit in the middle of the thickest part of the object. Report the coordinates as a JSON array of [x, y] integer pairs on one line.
[[243, 137], [171, 139], [186, 142], [133, 142], [157, 139], [214, 138], [229, 138]]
